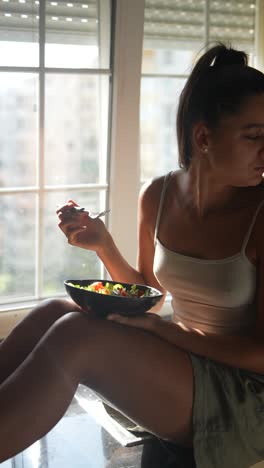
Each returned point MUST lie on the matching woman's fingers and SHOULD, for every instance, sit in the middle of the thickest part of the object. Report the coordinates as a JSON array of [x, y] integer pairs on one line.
[[145, 321], [80, 229], [68, 220], [63, 208], [70, 229], [65, 225], [73, 234], [137, 322]]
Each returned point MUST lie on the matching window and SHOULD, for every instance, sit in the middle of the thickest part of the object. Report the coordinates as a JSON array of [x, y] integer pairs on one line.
[[174, 33], [54, 94]]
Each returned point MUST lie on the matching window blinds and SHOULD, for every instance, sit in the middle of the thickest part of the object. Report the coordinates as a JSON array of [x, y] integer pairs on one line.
[[170, 20], [66, 21], [187, 20]]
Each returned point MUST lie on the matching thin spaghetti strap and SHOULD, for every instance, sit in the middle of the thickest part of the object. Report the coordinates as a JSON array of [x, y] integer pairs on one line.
[[162, 196], [246, 238]]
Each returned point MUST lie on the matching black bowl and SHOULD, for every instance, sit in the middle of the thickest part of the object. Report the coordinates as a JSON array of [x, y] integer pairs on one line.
[[103, 304]]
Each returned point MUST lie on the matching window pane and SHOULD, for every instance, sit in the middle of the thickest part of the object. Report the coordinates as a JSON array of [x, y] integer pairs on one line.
[[173, 34], [78, 34], [18, 129], [165, 58], [17, 246], [19, 34], [233, 22], [159, 103], [76, 129], [62, 261]]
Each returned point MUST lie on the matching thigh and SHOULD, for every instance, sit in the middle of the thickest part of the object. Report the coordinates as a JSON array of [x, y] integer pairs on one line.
[[27, 333], [35, 324], [145, 377]]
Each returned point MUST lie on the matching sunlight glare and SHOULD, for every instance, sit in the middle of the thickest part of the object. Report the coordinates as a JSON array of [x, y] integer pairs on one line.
[[25, 54], [33, 453]]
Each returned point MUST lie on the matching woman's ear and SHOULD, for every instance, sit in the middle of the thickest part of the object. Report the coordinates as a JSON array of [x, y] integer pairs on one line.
[[200, 138]]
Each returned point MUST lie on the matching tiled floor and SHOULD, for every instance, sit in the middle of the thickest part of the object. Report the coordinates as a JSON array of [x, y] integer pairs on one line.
[[79, 441]]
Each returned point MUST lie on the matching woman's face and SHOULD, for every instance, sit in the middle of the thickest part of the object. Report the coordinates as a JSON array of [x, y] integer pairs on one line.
[[236, 146]]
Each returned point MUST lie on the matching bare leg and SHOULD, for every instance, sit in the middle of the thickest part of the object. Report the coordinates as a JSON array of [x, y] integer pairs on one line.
[[150, 381], [27, 333]]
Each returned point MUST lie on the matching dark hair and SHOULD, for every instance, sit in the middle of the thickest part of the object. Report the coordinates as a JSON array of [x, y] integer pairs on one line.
[[218, 85]]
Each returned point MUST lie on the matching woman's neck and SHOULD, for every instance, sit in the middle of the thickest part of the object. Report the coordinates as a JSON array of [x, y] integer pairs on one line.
[[202, 193]]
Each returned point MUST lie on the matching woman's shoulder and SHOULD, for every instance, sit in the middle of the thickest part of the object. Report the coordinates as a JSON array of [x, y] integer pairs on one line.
[[150, 195], [153, 187]]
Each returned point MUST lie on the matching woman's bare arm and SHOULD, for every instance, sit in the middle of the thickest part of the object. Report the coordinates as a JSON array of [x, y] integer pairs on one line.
[[115, 263], [96, 237], [245, 352]]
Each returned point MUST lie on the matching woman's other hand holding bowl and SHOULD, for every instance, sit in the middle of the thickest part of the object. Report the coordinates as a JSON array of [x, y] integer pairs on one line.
[[148, 321]]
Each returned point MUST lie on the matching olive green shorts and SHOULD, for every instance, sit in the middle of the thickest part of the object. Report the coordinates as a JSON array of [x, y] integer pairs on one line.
[[228, 416]]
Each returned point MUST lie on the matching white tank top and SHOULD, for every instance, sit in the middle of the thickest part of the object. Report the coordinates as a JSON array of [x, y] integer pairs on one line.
[[213, 296]]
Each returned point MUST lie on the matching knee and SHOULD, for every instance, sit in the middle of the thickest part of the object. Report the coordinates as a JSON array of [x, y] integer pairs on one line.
[[53, 309], [68, 332], [60, 305], [69, 341], [73, 330], [79, 338]]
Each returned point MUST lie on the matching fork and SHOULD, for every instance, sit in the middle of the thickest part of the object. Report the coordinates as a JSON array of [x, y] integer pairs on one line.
[[98, 215], [79, 209]]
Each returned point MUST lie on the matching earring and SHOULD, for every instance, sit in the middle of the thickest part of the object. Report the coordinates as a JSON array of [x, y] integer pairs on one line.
[[205, 149]]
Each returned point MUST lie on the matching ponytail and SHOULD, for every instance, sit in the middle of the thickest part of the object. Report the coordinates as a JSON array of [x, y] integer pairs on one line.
[[218, 84]]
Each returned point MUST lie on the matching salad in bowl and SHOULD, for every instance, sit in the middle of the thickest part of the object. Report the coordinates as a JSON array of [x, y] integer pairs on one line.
[[105, 297]]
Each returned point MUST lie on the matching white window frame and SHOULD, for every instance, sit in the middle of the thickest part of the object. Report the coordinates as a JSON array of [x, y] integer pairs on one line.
[[259, 35]]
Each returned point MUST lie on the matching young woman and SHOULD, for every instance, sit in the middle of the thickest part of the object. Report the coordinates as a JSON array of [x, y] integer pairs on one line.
[[197, 381]]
